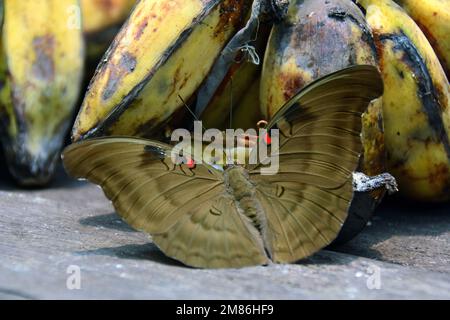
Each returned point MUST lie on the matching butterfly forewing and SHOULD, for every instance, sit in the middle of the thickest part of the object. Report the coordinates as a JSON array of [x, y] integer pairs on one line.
[[186, 208], [307, 201]]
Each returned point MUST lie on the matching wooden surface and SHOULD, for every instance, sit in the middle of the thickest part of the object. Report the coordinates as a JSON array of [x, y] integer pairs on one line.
[[43, 232]]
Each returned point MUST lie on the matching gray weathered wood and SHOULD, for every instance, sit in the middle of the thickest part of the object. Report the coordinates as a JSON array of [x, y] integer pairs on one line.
[[43, 232], [408, 234]]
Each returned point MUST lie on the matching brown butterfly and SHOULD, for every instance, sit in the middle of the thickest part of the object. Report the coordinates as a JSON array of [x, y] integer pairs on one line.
[[236, 217]]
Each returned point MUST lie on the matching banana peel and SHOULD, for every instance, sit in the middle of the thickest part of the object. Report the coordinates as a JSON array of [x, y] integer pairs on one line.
[[415, 104], [40, 70], [162, 53]]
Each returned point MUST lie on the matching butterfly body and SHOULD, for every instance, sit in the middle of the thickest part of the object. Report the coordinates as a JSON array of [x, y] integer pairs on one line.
[[235, 215], [243, 191]]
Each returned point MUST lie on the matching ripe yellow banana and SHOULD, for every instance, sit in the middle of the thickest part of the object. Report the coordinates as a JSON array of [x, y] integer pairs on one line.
[[433, 18], [415, 103], [41, 65], [164, 51]]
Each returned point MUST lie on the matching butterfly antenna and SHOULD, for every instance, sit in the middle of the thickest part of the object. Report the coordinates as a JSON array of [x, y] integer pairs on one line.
[[190, 111]]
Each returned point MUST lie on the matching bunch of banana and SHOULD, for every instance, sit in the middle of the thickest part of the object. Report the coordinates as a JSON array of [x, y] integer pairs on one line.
[[433, 18], [42, 55], [174, 51], [415, 103], [160, 58]]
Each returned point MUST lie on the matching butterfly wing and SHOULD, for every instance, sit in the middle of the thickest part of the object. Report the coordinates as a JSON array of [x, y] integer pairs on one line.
[[307, 201], [185, 208]]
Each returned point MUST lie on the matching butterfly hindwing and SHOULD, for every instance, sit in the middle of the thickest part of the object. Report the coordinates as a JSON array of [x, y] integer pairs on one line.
[[307, 201], [186, 209], [218, 231], [301, 219]]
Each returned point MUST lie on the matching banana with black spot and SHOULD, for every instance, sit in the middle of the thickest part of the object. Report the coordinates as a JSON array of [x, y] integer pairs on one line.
[[41, 63], [415, 103], [164, 51]]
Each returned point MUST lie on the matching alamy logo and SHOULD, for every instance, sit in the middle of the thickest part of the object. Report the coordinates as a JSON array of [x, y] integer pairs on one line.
[[374, 280], [232, 147], [74, 17], [73, 281]]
